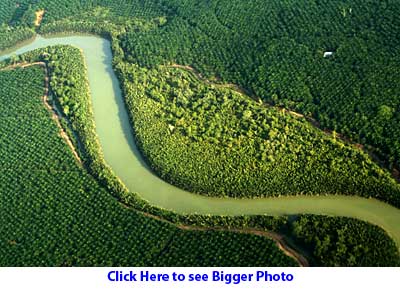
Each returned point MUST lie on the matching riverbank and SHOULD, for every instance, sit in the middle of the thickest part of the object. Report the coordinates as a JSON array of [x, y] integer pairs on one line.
[[124, 158], [109, 118]]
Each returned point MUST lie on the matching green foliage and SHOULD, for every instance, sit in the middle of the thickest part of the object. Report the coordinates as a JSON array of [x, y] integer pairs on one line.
[[10, 36], [215, 141], [17, 106], [16, 22], [106, 10], [55, 214], [7, 10], [275, 49], [69, 85], [15, 12], [272, 48], [24, 14], [218, 255], [90, 23], [345, 242]]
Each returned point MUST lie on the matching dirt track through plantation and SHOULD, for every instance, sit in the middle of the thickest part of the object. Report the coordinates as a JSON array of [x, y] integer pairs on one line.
[[277, 238], [395, 171], [54, 113]]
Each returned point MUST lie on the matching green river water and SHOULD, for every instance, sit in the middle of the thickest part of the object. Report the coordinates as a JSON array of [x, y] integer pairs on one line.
[[117, 142]]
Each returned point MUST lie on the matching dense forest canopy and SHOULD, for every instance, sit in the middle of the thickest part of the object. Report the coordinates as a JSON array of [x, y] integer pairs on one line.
[[343, 241], [273, 48], [211, 139], [273, 53]]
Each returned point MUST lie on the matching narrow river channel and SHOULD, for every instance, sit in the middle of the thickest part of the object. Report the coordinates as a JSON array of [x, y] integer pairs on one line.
[[121, 153]]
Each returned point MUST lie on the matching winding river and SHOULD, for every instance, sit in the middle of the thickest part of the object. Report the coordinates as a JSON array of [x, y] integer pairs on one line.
[[114, 132]]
